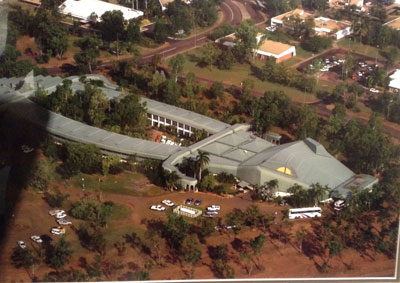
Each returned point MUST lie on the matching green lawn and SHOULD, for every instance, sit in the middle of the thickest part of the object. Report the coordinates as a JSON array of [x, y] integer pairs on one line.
[[361, 48], [303, 54], [127, 183], [239, 73]]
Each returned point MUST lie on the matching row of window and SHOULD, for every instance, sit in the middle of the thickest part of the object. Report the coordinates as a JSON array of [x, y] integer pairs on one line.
[[156, 118]]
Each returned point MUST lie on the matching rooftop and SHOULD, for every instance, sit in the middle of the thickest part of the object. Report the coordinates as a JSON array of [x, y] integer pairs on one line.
[[332, 25], [274, 47], [82, 9], [394, 24], [295, 12]]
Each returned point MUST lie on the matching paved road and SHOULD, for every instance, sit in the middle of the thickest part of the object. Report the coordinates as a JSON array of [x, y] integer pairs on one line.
[[231, 15]]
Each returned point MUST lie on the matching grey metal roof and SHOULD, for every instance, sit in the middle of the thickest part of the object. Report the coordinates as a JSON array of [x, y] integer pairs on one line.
[[69, 129], [184, 116], [308, 165], [3, 26]]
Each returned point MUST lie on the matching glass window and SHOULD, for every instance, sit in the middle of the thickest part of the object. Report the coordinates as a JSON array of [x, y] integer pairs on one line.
[[168, 121], [180, 125], [174, 123], [162, 119], [187, 127]]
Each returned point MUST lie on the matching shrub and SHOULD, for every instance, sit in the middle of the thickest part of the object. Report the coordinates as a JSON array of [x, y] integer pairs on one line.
[[57, 199]]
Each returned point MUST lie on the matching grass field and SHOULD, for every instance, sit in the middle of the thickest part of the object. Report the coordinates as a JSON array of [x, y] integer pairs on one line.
[[239, 73], [301, 53], [367, 50], [129, 183]]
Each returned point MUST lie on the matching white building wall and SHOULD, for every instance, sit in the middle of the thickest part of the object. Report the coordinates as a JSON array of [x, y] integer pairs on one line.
[[344, 32], [180, 127]]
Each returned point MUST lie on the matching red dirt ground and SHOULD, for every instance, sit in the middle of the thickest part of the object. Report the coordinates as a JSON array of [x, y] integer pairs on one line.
[[278, 260]]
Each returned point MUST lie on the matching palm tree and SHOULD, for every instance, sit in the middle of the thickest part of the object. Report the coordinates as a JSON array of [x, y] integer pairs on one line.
[[171, 179], [317, 193], [202, 159]]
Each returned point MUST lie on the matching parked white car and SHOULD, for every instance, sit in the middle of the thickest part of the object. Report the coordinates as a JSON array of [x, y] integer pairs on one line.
[[64, 221], [213, 208], [21, 244], [36, 239], [61, 215], [58, 230], [167, 202], [157, 207], [55, 211], [374, 90], [339, 205]]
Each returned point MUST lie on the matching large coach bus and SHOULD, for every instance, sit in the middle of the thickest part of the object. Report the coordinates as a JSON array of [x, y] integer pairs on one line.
[[305, 212]]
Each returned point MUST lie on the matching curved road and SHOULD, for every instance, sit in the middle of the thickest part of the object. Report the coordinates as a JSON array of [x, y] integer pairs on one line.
[[231, 15]]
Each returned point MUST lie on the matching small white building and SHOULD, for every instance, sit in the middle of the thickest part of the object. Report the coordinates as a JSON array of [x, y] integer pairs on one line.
[[394, 84], [82, 9], [323, 26], [329, 27], [268, 48], [358, 3]]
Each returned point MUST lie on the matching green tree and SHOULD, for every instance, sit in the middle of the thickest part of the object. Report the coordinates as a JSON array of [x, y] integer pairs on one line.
[[318, 193], [300, 236], [112, 25], [41, 174], [24, 258], [93, 210], [191, 251], [256, 245], [97, 105], [202, 159], [82, 157], [108, 162], [133, 34], [210, 54], [130, 114], [307, 125], [172, 179], [181, 16], [176, 64], [246, 42], [205, 12], [92, 238], [273, 109], [225, 60], [57, 199], [217, 90], [160, 32], [176, 231], [317, 43], [90, 51], [62, 254], [170, 92]]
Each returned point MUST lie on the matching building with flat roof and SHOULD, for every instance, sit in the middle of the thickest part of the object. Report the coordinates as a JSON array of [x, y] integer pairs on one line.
[[323, 25], [394, 24], [338, 3], [82, 9], [268, 48], [279, 20], [328, 27]]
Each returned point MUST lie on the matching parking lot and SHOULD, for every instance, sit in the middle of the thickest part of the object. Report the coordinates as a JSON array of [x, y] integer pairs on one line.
[[332, 69]]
